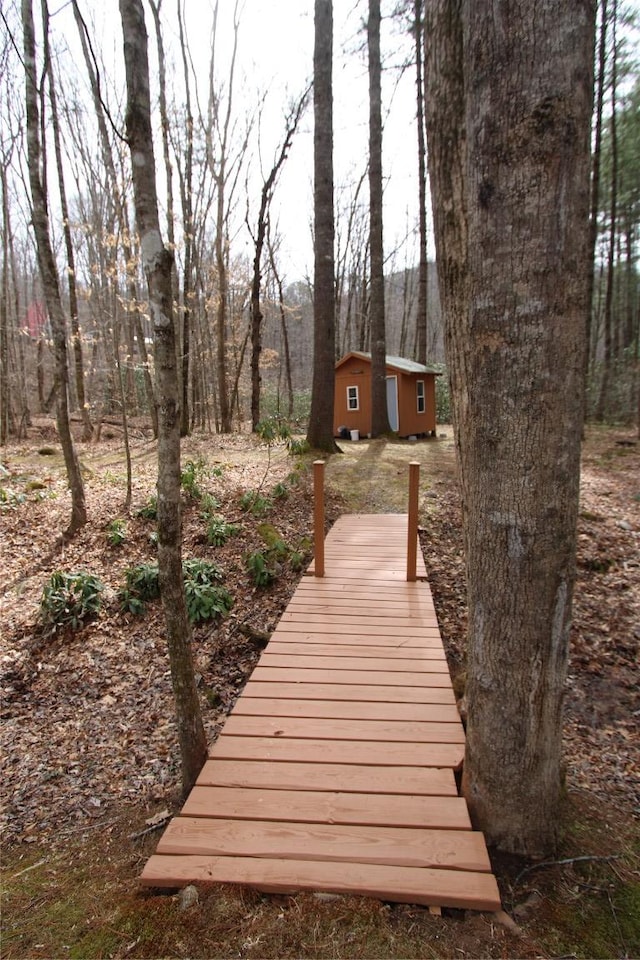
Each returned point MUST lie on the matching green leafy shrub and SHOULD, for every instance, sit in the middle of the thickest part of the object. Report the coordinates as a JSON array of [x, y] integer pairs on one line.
[[219, 531], [116, 532], [142, 583], [70, 600], [262, 567], [265, 566], [209, 504], [254, 502], [149, 510], [280, 491], [193, 473], [298, 446], [206, 597]]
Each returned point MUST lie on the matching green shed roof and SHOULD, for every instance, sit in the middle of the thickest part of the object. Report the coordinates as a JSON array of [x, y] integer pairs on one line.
[[398, 363]]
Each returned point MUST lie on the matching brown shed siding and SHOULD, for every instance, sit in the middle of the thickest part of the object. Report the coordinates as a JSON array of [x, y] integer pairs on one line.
[[354, 370]]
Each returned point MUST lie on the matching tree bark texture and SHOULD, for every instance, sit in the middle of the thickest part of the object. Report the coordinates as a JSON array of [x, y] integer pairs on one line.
[[157, 264], [379, 415], [423, 262], [320, 431], [508, 123], [49, 275]]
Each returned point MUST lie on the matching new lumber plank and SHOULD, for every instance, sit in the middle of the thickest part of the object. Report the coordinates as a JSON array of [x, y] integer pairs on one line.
[[359, 752], [328, 728], [397, 652], [453, 888], [320, 806], [430, 641], [374, 626], [346, 710], [358, 692], [399, 679], [400, 846], [283, 775], [387, 665]]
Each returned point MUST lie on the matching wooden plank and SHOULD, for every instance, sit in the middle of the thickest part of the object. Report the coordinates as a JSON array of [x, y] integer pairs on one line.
[[354, 608], [338, 640], [400, 846], [359, 752], [405, 654], [283, 775], [314, 623], [420, 590], [359, 693], [371, 677], [330, 580], [420, 885], [388, 665], [347, 710], [356, 600], [330, 728], [321, 806]]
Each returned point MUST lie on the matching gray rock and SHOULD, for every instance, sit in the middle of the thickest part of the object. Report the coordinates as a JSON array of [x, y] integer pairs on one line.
[[188, 897]]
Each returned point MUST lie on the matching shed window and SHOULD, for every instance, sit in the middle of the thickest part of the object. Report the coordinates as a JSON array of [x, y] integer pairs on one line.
[[353, 399], [420, 396]]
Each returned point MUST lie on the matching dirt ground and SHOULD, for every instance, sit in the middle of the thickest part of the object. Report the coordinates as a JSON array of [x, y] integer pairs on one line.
[[89, 760]]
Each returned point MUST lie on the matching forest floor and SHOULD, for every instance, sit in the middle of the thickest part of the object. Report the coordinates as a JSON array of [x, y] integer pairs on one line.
[[89, 749]]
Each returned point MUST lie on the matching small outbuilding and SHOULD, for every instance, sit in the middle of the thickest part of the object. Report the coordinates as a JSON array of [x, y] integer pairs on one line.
[[411, 396]]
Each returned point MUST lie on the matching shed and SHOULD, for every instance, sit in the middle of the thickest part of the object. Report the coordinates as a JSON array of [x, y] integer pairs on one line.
[[411, 395]]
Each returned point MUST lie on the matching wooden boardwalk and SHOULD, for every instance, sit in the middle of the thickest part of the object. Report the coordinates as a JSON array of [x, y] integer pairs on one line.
[[335, 769]]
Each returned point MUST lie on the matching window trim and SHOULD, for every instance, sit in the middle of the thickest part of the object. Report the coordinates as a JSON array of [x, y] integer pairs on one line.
[[421, 396], [355, 397]]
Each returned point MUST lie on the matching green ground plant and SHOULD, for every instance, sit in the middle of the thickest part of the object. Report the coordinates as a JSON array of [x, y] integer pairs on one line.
[[142, 584], [206, 597], [149, 510], [265, 566], [70, 600], [116, 532], [219, 530]]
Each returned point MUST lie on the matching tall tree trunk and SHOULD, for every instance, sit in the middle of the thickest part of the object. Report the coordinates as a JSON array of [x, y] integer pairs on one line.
[[509, 168], [186, 185], [602, 408], [49, 274], [259, 239], [120, 210], [320, 429], [595, 174], [423, 263], [157, 266], [379, 416], [283, 325], [76, 339]]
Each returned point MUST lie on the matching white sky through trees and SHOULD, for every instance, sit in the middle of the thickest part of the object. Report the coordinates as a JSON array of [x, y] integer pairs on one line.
[[275, 63]]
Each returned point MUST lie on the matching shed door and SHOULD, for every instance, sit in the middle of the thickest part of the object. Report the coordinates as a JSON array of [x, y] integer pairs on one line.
[[392, 402]]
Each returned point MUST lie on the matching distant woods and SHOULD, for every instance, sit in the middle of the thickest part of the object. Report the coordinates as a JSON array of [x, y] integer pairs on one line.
[[239, 336]]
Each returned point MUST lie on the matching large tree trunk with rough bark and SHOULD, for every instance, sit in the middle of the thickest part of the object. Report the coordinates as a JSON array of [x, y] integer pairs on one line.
[[320, 430], [49, 275], [157, 263], [379, 415], [508, 119]]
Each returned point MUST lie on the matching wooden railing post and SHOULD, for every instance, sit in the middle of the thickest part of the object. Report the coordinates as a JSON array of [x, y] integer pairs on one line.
[[412, 524], [318, 517]]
